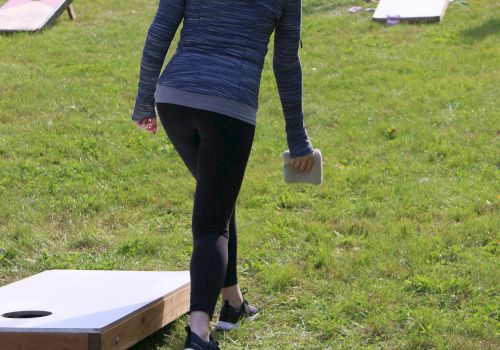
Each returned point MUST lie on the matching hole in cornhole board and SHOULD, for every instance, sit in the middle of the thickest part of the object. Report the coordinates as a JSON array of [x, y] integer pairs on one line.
[[90, 310], [26, 314], [30, 15], [411, 10]]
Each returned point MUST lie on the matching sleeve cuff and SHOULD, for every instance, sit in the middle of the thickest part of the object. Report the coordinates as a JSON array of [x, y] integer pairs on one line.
[[299, 145], [141, 113]]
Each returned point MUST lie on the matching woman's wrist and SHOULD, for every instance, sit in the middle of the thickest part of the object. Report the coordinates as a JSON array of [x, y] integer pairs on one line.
[[299, 145]]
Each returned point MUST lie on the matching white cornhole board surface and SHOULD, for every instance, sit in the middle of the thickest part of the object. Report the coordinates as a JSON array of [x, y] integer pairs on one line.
[[28, 15], [91, 310], [412, 10]]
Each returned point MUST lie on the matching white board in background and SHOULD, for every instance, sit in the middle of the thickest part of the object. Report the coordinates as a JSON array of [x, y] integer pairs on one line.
[[411, 10], [30, 16]]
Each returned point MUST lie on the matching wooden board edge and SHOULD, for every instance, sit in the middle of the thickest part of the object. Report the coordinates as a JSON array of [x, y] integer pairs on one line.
[[411, 19], [44, 341], [94, 341], [182, 288], [131, 329]]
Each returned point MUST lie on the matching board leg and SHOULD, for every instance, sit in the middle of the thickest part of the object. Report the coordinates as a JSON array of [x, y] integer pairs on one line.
[[71, 12]]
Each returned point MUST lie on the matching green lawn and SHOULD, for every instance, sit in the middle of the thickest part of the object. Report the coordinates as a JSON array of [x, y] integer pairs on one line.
[[397, 249]]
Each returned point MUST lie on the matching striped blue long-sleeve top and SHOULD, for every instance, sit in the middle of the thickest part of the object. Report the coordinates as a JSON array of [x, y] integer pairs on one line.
[[219, 59]]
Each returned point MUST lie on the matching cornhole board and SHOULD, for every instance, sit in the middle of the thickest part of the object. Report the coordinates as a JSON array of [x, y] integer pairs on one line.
[[411, 10], [29, 15], [89, 310]]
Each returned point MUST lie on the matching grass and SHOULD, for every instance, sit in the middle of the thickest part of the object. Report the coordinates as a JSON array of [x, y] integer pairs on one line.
[[397, 249]]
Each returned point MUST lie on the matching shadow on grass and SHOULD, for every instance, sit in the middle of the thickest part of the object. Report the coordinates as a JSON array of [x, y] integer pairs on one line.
[[162, 338], [480, 32]]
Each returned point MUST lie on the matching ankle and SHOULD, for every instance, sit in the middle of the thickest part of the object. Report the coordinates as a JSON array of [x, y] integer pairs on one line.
[[235, 302], [199, 324], [233, 295]]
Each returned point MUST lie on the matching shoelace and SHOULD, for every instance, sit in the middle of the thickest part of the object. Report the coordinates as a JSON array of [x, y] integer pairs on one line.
[[246, 305]]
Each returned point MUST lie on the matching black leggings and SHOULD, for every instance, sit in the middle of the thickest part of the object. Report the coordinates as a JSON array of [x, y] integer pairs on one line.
[[215, 148]]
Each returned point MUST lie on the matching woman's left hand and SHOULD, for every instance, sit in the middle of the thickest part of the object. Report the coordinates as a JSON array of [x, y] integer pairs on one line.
[[148, 124]]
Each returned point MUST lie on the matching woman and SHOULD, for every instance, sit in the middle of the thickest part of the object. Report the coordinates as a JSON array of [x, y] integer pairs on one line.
[[206, 99]]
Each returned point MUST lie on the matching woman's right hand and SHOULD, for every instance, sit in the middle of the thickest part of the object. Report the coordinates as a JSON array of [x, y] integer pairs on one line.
[[303, 163], [148, 124]]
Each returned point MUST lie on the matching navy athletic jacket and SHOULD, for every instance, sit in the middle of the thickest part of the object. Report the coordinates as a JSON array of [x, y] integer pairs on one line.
[[219, 59]]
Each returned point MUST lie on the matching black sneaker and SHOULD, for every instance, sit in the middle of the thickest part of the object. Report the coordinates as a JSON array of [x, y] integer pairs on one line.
[[194, 342], [231, 317]]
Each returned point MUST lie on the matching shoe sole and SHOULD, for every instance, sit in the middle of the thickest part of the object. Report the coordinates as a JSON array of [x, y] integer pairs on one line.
[[227, 326]]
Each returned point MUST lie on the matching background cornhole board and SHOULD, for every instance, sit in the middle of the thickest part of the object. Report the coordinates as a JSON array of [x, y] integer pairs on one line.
[[411, 10], [30, 16], [91, 310]]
